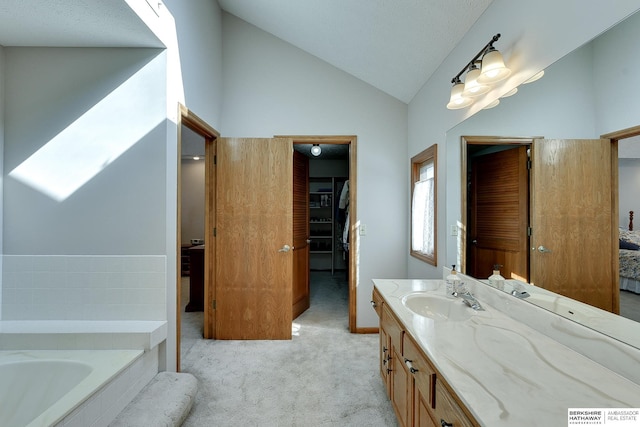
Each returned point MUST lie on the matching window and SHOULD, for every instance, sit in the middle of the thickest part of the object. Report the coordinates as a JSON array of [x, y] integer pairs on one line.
[[423, 205]]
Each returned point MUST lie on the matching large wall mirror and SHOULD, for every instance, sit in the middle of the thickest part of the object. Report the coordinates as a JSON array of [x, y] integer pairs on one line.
[[588, 93]]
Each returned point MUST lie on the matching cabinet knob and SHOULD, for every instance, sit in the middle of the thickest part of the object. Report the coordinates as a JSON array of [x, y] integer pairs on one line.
[[443, 423]]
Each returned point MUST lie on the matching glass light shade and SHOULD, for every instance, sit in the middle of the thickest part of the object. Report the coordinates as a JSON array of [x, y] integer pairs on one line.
[[491, 105], [511, 92], [471, 85], [457, 100], [536, 77], [493, 68], [316, 150]]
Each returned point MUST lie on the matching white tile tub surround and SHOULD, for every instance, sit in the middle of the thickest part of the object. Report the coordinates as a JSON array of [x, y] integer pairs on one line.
[[81, 335], [83, 287], [115, 379]]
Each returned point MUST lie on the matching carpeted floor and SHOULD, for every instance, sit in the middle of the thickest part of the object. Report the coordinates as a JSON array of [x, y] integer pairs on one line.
[[324, 376]]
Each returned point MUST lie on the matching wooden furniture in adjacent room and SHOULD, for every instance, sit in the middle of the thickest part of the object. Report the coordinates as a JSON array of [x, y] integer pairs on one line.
[[196, 279]]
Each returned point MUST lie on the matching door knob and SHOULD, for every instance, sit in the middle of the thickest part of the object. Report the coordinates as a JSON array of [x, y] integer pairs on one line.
[[308, 241], [285, 248], [543, 250]]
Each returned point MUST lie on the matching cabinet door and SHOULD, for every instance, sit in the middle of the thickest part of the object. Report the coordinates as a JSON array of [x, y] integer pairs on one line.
[[385, 357], [447, 411], [376, 302], [401, 388], [422, 412], [423, 376]]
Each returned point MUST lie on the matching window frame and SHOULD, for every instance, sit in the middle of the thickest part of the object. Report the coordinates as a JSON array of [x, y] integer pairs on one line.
[[417, 162]]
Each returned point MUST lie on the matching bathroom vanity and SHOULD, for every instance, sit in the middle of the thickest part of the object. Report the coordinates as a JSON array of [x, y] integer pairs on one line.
[[446, 364]]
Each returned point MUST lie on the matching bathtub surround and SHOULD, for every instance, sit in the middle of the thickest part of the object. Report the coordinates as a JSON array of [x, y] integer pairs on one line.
[[115, 378], [84, 287], [81, 335]]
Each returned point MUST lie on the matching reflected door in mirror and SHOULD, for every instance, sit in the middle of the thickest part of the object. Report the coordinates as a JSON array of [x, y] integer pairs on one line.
[[573, 216], [499, 213]]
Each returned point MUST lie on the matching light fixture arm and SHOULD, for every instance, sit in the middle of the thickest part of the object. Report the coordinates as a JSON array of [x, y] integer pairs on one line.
[[494, 39]]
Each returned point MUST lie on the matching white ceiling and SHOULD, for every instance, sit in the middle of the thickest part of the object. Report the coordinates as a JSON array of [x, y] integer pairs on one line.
[[72, 23], [394, 45]]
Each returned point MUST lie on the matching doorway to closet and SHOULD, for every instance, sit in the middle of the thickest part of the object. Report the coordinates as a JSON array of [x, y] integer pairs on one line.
[[322, 222]]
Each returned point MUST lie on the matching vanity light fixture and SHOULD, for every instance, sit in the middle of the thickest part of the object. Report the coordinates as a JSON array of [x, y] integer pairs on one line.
[[535, 77], [316, 150], [511, 92], [196, 157], [458, 100], [493, 104], [478, 81], [471, 85]]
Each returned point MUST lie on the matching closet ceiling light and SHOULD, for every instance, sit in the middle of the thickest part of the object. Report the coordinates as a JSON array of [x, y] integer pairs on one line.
[[316, 150]]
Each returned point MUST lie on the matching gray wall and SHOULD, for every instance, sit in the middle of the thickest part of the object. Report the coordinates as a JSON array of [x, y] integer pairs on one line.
[[273, 88], [193, 199], [51, 95]]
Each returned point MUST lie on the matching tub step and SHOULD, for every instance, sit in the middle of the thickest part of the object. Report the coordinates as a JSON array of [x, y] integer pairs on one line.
[[165, 401]]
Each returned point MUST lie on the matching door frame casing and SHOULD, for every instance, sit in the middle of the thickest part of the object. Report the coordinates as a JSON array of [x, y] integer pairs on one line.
[[615, 137], [189, 119], [354, 243]]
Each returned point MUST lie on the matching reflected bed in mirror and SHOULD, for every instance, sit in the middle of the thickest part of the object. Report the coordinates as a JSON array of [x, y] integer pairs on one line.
[[579, 97]]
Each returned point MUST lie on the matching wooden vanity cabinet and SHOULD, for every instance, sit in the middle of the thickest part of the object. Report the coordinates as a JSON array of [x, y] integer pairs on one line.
[[422, 382], [447, 411], [418, 397], [397, 375]]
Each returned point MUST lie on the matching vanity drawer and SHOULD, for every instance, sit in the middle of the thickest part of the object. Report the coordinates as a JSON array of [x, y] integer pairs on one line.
[[392, 327], [424, 374], [447, 410], [376, 302]]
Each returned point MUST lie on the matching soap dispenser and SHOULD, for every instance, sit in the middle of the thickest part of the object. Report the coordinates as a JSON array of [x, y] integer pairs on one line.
[[496, 280], [452, 282]]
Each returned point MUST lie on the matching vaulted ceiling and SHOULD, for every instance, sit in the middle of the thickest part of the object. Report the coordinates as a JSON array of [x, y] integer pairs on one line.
[[394, 45]]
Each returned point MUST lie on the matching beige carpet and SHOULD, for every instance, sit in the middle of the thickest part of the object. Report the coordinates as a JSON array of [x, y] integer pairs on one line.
[[324, 376]]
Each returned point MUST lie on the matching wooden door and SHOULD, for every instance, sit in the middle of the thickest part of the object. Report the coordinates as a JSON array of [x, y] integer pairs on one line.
[[572, 213], [499, 214], [254, 229], [300, 233]]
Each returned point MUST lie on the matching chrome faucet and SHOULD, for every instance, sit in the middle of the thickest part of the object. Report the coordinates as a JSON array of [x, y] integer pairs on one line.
[[471, 301]]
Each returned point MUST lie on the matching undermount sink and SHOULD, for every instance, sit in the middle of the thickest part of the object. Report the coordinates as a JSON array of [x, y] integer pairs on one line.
[[436, 307]]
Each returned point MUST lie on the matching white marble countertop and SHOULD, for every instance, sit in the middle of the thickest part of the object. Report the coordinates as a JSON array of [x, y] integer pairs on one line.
[[506, 373]]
